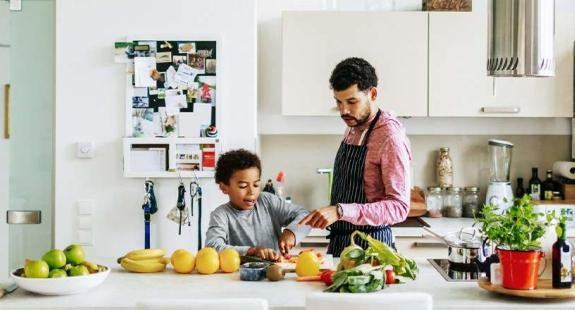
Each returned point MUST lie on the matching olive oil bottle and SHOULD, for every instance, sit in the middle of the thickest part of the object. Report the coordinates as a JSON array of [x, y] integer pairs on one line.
[[561, 257]]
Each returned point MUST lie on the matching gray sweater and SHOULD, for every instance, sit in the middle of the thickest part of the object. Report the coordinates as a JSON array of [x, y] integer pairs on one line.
[[260, 226]]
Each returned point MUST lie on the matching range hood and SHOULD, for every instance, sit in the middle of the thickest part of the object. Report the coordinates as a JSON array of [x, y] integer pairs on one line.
[[521, 35]]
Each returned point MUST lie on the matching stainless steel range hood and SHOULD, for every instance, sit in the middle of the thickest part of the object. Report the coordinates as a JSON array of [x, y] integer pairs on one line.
[[521, 37]]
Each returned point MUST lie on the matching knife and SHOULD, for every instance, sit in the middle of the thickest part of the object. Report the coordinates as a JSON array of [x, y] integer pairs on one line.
[[5, 291]]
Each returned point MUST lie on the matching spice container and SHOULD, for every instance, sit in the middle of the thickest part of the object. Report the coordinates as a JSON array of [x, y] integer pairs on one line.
[[471, 202], [452, 203], [434, 201], [444, 168]]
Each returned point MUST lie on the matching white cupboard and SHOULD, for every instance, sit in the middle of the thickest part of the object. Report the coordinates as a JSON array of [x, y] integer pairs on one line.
[[459, 85], [395, 43]]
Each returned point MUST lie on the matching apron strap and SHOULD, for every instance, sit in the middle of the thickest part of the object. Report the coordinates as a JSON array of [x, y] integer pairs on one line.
[[366, 133]]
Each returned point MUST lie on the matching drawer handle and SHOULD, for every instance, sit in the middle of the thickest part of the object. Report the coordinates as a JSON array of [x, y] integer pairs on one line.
[[501, 110]]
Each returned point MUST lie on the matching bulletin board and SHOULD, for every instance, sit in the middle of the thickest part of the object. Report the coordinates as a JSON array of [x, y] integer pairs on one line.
[[171, 88]]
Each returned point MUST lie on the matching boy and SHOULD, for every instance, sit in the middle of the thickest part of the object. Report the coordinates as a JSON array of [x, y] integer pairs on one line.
[[252, 222]]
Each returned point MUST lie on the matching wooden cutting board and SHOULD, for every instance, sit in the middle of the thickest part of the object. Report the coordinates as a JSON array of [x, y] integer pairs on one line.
[[544, 290], [326, 264]]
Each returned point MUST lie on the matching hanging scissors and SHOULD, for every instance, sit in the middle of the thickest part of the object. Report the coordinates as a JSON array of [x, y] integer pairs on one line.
[[181, 204]]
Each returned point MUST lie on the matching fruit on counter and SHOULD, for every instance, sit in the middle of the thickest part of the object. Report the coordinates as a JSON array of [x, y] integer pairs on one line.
[[57, 273], [293, 259], [307, 265], [36, 269], [353, 255], [229, 260], [364, 278], [144, 265], [55, 258], [207, 261], [389, 276], [79, 270], [325, 277], [183, 261], [74, 254], [274, 273], [92, 267], [144, 254]]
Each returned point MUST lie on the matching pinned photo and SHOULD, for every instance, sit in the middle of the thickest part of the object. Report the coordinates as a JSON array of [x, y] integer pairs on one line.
[[197, 62], [164, 57], [152, 47], [140, 102], [187, 48], [161, 93], [123, 51], [178, 60], [210, 66], [206, 53]]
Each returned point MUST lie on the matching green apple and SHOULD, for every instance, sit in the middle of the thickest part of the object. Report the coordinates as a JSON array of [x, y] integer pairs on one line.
[[79, 270], [74, 254], [55, 258], [36, 269], [57, 273]]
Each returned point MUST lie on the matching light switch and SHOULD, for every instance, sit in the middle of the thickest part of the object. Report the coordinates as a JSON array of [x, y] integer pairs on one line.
[[85, 206], [85, 222], [85, 149], [85, 237]]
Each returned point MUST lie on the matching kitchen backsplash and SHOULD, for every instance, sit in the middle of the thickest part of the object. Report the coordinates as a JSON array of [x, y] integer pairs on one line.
[[301, 155]]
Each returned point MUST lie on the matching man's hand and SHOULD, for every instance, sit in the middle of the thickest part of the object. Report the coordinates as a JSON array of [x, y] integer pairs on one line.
[[267, 254], [321, 218], [286, 241]]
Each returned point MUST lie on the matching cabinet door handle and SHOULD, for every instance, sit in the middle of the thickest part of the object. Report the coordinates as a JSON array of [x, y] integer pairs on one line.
[[7, 111], [429, 245], [501, 110]]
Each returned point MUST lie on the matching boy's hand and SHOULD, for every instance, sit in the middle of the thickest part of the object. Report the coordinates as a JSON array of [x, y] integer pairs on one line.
[[286, 241], [267, 254]]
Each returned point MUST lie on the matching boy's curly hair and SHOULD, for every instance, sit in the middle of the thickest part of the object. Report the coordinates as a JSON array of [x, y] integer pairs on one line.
[[235, 160], [353, 71]]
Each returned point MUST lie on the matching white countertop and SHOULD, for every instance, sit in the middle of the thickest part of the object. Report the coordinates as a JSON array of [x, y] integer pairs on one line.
[[122, 290]]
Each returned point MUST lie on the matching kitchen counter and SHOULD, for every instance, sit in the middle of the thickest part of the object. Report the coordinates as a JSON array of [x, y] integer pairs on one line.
[[123, 290]]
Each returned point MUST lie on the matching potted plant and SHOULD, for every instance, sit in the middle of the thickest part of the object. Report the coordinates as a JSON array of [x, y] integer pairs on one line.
[[517, 232]]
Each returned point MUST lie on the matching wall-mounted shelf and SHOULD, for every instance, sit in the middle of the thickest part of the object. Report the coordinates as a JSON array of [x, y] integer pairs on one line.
[[170, 157]]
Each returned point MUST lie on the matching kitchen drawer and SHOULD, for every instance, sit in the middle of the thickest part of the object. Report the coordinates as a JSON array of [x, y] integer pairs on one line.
[[420, 247]]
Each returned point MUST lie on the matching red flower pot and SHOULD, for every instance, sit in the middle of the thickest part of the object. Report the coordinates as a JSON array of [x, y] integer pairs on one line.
[[520, 269]]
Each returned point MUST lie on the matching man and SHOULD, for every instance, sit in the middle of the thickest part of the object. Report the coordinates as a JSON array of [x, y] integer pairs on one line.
[[370, 189]]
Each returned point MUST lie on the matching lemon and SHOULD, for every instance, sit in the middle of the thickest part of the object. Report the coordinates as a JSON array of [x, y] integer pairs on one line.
[[229, 260], [183, 261], [307, 265], [207, 261]]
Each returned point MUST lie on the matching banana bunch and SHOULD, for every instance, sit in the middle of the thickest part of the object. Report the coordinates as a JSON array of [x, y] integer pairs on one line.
[[93, 267], [144, 261]]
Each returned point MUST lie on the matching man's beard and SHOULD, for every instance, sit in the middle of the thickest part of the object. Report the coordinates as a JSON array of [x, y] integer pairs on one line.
[[362, 119]]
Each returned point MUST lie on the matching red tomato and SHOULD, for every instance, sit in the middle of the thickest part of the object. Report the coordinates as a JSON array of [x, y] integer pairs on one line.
[[389, 277], [326, 277]]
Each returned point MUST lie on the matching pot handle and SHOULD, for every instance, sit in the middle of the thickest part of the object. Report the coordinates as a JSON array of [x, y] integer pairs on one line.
[[544, 264]]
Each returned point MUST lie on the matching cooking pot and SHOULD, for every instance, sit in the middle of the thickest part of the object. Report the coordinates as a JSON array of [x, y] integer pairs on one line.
[[463, 247]]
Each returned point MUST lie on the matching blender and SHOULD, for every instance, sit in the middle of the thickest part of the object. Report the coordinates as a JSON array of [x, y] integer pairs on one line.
[[499, 192]]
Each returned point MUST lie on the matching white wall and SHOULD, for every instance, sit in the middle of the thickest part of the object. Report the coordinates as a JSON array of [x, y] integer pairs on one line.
[[89, 105], [271, 121]]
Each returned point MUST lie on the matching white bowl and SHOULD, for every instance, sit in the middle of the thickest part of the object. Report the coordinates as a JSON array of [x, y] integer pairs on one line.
[[60, 286]]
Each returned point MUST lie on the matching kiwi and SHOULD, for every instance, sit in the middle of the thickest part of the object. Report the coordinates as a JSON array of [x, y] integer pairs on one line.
[[274, 273]]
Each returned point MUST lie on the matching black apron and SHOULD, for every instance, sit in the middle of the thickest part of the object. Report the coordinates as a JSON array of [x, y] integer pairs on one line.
[[347, 187]]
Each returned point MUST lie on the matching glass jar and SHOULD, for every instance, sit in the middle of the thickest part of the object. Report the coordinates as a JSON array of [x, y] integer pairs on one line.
[[434, 201], [452, 202], [471, 202], [444, 168]]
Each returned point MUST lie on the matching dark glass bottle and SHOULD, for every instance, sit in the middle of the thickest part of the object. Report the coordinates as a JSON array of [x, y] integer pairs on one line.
[[534, 185], [548, 187], [562, 271], [519, 190]]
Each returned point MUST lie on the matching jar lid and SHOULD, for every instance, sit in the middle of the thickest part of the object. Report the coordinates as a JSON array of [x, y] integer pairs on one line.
[[454, 189], [496, 142], [471, 189], [434, 189], [444, 149]]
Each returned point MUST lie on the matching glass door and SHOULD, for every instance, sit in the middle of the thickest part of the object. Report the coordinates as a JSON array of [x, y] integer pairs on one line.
[[27, 62]]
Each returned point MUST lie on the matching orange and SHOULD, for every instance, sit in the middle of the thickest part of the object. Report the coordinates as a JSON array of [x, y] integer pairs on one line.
[[229, 260], [183, 261]]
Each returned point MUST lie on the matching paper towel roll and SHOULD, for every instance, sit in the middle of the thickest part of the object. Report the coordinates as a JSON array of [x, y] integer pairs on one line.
[[565, 169]]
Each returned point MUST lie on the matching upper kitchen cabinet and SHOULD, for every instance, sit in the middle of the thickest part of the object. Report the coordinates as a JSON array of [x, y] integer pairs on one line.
[[395, 43], [458, 81]]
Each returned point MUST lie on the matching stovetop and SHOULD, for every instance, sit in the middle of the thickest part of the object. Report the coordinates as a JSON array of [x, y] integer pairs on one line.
[[454, 273]]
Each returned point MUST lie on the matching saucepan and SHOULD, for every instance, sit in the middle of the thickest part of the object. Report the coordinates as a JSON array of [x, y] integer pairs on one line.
[[464, 246]]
